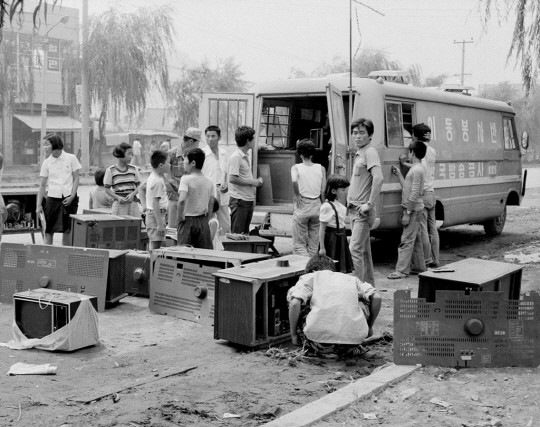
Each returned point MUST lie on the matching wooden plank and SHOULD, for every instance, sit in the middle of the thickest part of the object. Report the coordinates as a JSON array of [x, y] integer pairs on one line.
[[344, 397], [93, 395]]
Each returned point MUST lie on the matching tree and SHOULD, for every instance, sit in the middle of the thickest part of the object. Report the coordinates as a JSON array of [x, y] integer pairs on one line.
[[435, 81], [369, 60], [16, 75], [526, 38], [504, 92], [127, 57], [186, 91], [11, 8], [527, 109], [297, 73]]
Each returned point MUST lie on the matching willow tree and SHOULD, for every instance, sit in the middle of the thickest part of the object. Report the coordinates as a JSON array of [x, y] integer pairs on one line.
[[16, 75], [526, 37], [9, 9], [127, 58], [185, 93]]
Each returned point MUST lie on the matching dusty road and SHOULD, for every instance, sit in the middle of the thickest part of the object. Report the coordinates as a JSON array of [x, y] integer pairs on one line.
[[138, 345]]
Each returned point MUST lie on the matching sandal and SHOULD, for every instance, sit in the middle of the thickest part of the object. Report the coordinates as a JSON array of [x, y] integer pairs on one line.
[[397, 275], [356, 352]]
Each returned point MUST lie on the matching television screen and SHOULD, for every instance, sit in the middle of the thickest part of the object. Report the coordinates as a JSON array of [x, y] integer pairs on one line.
[[32, 320]]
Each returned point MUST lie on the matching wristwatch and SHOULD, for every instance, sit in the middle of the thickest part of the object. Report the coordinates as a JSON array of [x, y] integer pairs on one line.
[[408, 212]]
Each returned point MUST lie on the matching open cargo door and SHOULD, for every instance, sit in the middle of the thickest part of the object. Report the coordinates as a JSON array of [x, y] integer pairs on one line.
[[228, 111], [338, 129]]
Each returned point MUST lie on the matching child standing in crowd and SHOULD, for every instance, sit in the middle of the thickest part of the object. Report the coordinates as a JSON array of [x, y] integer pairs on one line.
[[332, 232], [309, 182], [61, 171], [156, 199], [121, 182], [410, 248], [213, 223], [98, 196], [195, 203]]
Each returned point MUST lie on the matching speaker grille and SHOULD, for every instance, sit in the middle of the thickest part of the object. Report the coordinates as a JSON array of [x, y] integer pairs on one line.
[[133, 233], [120, 233], [9, 287], [86, 265], [108, 234], [15, 258], [166, 272], [67, 288]]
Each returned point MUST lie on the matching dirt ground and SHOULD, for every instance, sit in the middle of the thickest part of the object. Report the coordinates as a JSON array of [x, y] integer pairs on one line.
[[139, 346]]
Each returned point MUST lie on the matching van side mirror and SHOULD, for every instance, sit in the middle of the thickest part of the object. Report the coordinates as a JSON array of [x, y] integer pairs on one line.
[[525, 140]]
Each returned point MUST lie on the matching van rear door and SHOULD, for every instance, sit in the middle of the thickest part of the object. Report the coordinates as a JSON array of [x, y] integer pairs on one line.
[[228, 111], [338, 128]]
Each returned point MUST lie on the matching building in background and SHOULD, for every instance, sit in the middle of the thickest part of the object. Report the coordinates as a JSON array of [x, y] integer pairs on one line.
[[23, 57]]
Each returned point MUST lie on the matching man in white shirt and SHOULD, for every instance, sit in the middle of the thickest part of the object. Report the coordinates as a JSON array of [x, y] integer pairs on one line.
[[215, 168], [60, 171], [342, 313], [241, 183]]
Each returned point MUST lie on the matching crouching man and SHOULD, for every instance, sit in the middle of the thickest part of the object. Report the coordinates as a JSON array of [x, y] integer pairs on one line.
[[330, 312]]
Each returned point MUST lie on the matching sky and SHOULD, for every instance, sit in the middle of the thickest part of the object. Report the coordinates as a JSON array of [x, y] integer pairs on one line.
[[269, 37]]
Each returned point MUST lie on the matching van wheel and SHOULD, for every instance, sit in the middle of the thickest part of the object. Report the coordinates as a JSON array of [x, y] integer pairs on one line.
[[495, 226]]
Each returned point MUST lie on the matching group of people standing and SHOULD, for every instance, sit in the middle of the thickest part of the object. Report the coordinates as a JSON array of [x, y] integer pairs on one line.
[[200, 192], [320, 206], [189, 186], [194, 188], [332, 312], [419, 247]]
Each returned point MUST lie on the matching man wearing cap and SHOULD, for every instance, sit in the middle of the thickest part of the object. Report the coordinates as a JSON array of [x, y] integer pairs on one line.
[[192, 136]]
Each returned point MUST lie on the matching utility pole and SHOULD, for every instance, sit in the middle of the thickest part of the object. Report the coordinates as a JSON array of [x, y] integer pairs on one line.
[[351, 62], [85, 104], [462, 43]]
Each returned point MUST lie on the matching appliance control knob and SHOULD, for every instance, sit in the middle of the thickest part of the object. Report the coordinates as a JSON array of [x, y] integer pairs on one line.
[[474, 326], [44, 281], [200, 292], [139, 274]]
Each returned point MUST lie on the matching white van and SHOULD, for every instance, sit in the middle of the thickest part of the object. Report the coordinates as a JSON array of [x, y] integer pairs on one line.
[[478, 171]]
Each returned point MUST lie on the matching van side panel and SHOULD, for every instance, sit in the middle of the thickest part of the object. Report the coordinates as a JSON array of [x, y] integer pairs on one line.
[[473, 174]]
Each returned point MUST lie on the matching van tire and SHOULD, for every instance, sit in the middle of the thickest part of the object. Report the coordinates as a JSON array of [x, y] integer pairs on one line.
[[495, 226]]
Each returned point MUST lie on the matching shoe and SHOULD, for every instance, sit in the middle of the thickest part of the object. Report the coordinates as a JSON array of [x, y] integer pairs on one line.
[[357, 351], [434, 264], [397, 275], [417, 272]]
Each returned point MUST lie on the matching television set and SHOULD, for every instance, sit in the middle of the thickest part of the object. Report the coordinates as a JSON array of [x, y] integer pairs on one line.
[[41, 312]]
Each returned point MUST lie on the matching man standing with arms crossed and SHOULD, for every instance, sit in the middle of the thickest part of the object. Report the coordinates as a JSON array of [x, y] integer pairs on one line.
[[241, 183], [366, 183], [215, 168]]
